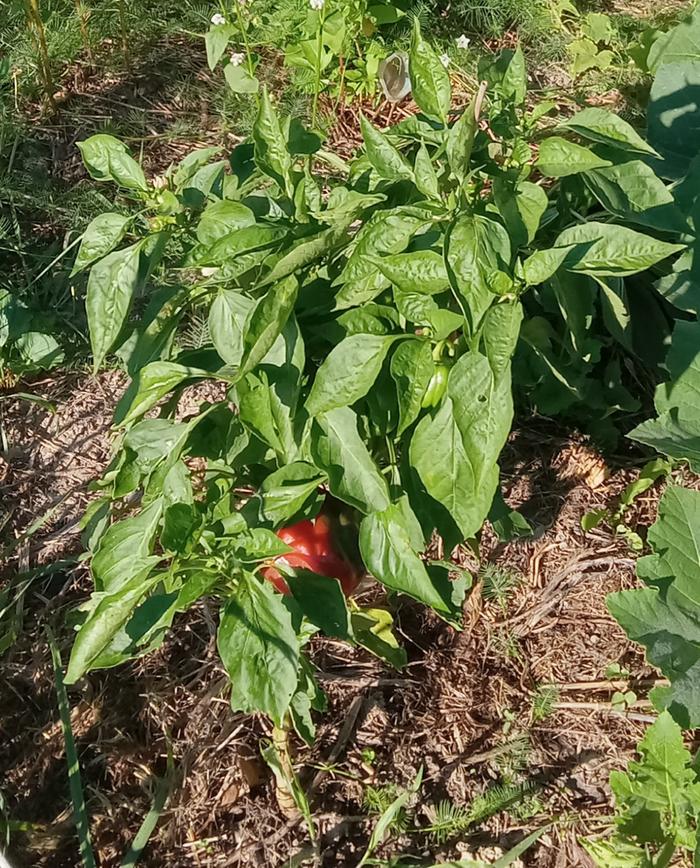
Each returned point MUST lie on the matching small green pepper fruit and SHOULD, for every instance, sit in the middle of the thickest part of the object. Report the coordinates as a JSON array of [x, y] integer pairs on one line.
[[436, 386]]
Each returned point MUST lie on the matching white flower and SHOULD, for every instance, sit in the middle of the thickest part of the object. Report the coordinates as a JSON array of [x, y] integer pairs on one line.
[[316, 4], [445, 60], [217, 18], [237, 58], [463, 41]]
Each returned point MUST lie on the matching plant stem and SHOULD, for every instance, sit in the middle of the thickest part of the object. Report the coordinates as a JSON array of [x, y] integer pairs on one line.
[[83, 16], [319, 51], [124, 35], [44, 64], [244, 35]]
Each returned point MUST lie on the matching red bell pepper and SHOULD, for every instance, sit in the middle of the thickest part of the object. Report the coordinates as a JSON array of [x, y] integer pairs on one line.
[[314, 550]]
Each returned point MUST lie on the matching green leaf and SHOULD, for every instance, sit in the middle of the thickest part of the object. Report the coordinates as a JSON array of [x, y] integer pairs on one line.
[[259, 650], [412, 367], [180, 523], [672, 118], [506, 74], [460, 142], [216, 42], [348, 372], [606, 250], [110, 290], [151, 384], [559, 158], [658, 797], [476, 248], [322, 601], [424, 174], [663, 617], [387, 162], [338, 450], [673, 434], [291, 493], [421, 271], [125, 549], [632, 190], [455, 450], [266, 322], [100, 238], [271, 153], [372, 629], [430, 82], [679, 46], [110, 613], [385, 233], [227, 318], [221, 218], [522, 207], [239, 79], [108, 159], [236, 243], [607, 128], [385, 544]]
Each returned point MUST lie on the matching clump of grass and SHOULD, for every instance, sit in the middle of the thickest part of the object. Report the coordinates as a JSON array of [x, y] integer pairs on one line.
[[499, 584], [505, 644]]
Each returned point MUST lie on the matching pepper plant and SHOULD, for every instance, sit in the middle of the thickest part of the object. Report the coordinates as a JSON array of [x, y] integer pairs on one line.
[[362, 328]]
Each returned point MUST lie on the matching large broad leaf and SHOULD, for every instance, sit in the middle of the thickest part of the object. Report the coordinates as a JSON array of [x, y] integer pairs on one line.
[[108, 159], [386, 232], [227, 318], [632, 190], [559, 157], [607, 128], [665, 617], [100, 238], [673, 117], [386, 161], [460, 142], [455, 451], [216, 42], [338, 450], [420, 271], [506, 74], [259, 650], [430, 82], [606, 250], [676, 432], [222, 218], [151, 384], [266, 322], [522, 206], [322, 601], [388, 553], [476, 249], [106, 619], [271, 152], [412, 367], [348, 372], [110, 290], [125, 549], [292, 492], [680, 45]]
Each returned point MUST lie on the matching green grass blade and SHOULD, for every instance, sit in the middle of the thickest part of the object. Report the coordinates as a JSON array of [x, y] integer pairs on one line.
[[75, 784], [160, 798]]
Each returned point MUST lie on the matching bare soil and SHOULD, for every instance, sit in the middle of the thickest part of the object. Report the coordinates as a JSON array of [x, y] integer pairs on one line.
[[467, 709]]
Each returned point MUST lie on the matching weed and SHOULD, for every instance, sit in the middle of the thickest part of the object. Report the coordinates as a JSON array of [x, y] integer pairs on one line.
[[499, 584], [543, 700], [378, 800]]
